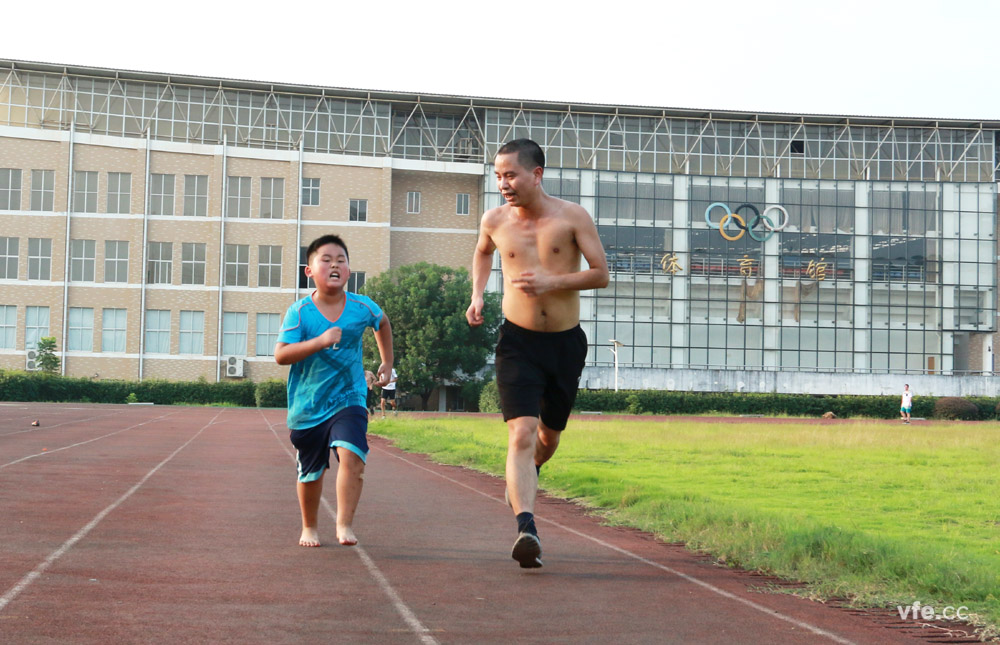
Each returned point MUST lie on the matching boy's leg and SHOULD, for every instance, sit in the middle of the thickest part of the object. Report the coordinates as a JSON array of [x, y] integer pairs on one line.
[[310, 494], [350, 480]]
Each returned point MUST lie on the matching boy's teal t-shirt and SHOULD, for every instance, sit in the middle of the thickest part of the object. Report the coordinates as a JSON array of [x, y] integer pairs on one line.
[[334, 378]]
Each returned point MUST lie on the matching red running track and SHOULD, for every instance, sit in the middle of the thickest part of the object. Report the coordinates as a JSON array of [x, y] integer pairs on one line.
[[149, 524]]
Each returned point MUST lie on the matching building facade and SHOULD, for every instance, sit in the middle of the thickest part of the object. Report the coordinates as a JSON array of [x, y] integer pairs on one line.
[[154, 224]]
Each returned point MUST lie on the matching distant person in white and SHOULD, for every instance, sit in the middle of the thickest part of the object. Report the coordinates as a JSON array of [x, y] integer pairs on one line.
[[389, 394], [906, 405]]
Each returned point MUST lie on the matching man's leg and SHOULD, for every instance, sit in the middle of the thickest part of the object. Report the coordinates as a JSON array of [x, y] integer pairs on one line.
[[522, 486], [382, 406], [548, 441], [350, 480], [309, 496]]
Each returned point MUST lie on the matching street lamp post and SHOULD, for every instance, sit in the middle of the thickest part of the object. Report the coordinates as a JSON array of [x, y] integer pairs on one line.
[[614, 350]]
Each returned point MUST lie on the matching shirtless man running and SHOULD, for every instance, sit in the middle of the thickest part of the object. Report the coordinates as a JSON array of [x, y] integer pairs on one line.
[[541, 349]]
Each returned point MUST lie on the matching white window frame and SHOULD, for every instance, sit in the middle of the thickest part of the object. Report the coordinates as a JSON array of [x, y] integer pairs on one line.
[[114, 330], [463, 203], [191, 333], [272, 198], [115, 263], [310, 191], [356, 282], [269, 266], [85, 183], [236, 263], [37, 261], [43, 190], [119, 193], [239, 191], [196, 195], [357, 210], [10, 189], [413, 202], [9, 254], [8, 326], [159, 262], [268, 326], [193, 263], [36, 325], [161, 194], [234, 333], [82, 260], [157, 331], [81, 330]]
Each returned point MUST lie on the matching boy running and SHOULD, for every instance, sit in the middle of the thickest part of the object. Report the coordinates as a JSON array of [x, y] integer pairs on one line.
[[321, 338]]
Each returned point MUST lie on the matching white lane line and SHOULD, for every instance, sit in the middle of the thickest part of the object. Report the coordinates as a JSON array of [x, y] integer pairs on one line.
[[404, 611], [16, 590], [104, 436], [40, 428], [701, 583]]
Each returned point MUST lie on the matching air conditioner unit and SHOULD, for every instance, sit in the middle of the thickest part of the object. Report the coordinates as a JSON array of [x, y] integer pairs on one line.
[[31, 361], [233, 366]]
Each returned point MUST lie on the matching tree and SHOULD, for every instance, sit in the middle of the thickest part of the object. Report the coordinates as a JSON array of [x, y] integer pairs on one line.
[[47, 360], [432, 341]]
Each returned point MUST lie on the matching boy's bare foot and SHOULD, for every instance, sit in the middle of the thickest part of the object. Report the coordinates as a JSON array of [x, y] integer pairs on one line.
[[310, 537], [346, 536]]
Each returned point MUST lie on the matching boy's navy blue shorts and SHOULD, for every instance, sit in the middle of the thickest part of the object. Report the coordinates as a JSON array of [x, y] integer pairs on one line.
[[538, 372], [346, 429]]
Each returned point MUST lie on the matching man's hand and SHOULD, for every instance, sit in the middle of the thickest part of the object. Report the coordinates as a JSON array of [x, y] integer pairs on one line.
[[532, 284], [474, 314], [384, 375], [330, 337]]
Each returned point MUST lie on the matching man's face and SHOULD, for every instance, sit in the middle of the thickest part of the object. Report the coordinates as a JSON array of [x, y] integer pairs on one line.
[[329, 267], [517, 184]]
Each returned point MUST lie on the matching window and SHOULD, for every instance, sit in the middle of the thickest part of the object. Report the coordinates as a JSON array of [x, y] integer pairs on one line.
[[356, 281], [412, 203], [81, 329], [36, 325], [85, 192], [269, 266], [196, 195], [115, 261], [82, 259], [238, 197], [113, 330], [8, 326], [159, 262], [39, 258], [157, 331], [161, 194], [43, 190], [10, 189], [272, 198], [234, 334], [462, 204], [305, 282], [119, 192], [193, 263], [192, 332], [359, 210], [8, 257], [310, 191], [267, 333], [237, 265]]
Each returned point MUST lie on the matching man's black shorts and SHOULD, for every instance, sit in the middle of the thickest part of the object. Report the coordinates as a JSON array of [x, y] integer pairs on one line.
[[388, 395], [538, 372]]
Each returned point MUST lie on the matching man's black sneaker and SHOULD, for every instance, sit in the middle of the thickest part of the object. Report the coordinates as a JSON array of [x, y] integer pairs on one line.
[[527, 551]]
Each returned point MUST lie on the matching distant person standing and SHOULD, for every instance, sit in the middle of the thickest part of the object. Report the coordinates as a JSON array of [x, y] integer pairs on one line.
[[389, 394], [906, 404], [370, 381]]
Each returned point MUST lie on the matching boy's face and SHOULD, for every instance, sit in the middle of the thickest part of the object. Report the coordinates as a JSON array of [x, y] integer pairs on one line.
[[329, 268]]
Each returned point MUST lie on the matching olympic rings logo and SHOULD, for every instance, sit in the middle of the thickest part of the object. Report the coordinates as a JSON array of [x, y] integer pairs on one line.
[[741, 223]]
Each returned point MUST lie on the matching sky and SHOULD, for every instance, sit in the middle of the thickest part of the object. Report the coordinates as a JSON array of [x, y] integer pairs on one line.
[[892, 58]]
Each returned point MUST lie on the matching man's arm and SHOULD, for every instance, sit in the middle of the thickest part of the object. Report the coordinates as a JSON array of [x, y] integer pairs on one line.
[[482, 264], [288, 353], [383, 338]]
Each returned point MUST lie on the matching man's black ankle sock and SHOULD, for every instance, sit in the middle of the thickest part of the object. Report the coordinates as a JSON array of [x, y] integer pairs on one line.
[[538, 469], [526, 523]]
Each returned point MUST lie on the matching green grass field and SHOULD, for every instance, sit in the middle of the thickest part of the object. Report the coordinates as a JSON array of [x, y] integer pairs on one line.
[[881, 513]]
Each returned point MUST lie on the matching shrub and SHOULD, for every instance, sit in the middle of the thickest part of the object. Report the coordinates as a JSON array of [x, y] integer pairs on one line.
[[489, 398], [48, 362], [271, 393], [634, 405], [955, 407], [471, 391]]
